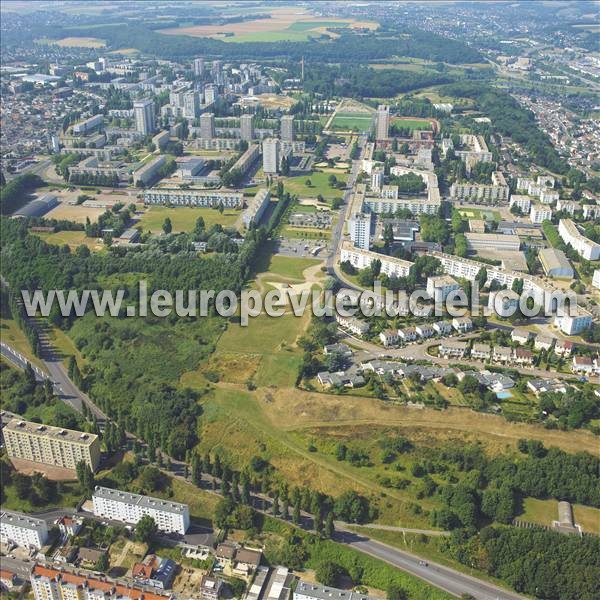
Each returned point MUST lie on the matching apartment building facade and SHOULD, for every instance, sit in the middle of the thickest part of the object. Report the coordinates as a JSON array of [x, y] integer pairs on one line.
[[49, 445], [170, 517], [23, 530], [204, 198]]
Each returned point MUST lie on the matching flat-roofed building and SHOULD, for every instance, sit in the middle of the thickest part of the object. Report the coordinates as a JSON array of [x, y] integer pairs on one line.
[[54, 446], [494, 193], [161, 139], [383, 123], [361, 259], [585, 247], [540, 213], [440, 286], [315, 591], [148, 172], [555, 263], [256, 207], [575, 323], [492, 241], [192, 197], [523, 203], [170, 517], [22, 530]]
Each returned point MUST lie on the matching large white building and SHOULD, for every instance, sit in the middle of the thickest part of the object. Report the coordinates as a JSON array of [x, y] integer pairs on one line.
[[576, 323], [22, 530], [271, 148], [360, 259], [359, 228], [256, 207], [440, 286], [147, 173], [585, 247], [493, 241], [192, 197], [49, 445], [144, 116], [315, 591], [170, 517], [497, 191], [540, 213]]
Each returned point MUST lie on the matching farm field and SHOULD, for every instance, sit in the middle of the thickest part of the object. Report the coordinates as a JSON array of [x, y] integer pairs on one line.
[[183, 218], [286, 24], [76, 42]]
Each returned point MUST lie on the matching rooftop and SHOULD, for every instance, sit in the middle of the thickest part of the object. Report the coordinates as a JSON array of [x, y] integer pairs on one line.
[[147, 501], [48, 431]]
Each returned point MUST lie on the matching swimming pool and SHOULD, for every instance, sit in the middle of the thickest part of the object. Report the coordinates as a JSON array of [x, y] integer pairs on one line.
[[503, 395]]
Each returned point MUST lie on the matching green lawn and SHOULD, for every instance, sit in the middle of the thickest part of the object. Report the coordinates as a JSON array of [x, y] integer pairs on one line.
[[480, 213], [412, 124], [348, 121], [71, 239], [290, 267], [183, 218], [319, 185]]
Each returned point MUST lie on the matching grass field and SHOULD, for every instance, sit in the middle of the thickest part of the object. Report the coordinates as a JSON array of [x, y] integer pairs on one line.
[[412, 124], [546, 511], [352, 120], [183, 218], [319, 185], [290, 267], [71, 239]]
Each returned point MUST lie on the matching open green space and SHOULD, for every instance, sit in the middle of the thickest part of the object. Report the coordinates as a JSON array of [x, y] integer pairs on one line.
[[412, 124], [480, 213], [71, 239], [183, 218], [352, 120], [319, 185]]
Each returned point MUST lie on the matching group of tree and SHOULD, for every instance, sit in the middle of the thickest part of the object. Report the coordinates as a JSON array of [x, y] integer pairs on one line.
[[15, 193]]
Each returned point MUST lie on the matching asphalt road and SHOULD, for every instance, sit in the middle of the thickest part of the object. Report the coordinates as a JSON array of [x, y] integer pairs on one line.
[[442, 577]]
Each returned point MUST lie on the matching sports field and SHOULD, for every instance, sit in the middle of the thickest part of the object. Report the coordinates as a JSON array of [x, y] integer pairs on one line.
[[183, 218], [412, 124], [352, 120]]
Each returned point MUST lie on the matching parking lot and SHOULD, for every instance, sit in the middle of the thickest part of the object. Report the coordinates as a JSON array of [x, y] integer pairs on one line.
[[302, 248]]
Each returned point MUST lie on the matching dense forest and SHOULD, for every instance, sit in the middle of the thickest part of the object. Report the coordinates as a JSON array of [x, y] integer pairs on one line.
[[14, 194]]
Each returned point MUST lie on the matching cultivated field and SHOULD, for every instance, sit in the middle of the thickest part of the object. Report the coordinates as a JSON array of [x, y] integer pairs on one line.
[[284, 24], [78, 42]]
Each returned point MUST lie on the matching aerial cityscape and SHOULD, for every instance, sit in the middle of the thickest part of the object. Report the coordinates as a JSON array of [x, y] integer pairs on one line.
[[299, 300]]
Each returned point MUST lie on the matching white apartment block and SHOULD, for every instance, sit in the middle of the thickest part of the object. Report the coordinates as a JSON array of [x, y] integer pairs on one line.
[[353, 324], [359, 228], [271, 149], [170, 517], [596, 279], [574, 324], [247, 159], [568, 206], [591, 211], [161, 139], [256, 207], [146, 173], [585, 247], [440, 286], [315, 591], [417, 206], [216, 143], [477, 152], [49, 445], [361, 259], [191, 197], [521, 202], [87, 125], [22, 530], [540, 213], [549, 196], [497, 191]]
